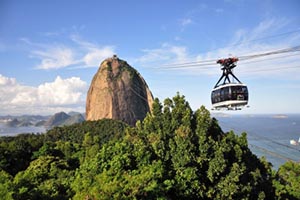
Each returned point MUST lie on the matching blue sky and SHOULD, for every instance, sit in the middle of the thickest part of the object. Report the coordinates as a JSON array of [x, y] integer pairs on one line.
[[50, 50]]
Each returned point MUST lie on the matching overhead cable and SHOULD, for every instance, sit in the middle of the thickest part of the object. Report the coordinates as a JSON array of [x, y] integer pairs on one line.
[[202, 63]]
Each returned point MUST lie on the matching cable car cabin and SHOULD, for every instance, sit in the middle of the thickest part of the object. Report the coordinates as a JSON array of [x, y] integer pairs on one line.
[[227, 94], [232, 96]]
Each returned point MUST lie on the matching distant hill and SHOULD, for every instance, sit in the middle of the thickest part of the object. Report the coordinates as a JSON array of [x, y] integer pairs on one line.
[[62, 119], [13, 123], [75, 113], [24, 120], [74, 119], [58, 119], [41, 123]]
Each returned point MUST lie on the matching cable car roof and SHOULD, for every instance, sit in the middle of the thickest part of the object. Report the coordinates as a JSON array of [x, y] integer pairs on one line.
[[229, 85]]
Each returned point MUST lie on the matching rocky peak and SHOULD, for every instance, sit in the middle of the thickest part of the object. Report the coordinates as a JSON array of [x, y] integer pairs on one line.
[[118, 91]]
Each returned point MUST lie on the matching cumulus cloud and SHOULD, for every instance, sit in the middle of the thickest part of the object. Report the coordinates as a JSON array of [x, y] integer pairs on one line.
[[7, 81], [8, 88], [61, 91], [64, 94]]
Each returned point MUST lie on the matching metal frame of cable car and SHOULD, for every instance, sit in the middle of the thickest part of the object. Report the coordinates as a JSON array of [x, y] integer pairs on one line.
[[228, 94]]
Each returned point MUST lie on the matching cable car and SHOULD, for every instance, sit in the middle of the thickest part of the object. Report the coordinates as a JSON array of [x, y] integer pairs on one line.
[[230, 95]]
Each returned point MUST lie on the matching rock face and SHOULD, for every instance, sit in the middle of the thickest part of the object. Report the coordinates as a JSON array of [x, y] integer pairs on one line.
[[119, 92]]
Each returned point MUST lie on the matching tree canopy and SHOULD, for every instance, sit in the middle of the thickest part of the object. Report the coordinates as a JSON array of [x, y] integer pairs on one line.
[[174, 153]]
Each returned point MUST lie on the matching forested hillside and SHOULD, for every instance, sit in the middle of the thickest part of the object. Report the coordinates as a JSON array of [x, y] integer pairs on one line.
[[174, 153]]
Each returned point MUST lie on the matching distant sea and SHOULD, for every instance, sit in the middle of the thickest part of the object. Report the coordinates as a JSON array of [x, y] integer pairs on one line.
[[268, 135], [12, 131]]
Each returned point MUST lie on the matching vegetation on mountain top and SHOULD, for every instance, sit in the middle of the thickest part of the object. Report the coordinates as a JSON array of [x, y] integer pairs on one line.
[[174, 153]]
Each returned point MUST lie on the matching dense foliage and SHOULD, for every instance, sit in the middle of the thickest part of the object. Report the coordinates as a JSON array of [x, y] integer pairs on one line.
[[287, 181], [42, 166], [174, 153]]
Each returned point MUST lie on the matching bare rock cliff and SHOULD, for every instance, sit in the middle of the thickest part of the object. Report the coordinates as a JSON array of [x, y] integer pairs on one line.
[[119, 92]]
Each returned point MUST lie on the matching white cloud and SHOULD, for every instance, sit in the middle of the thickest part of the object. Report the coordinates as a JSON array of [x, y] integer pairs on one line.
[[265, 37], [7, 81], [261, 39], [78, 53], [177, 38], [55, 58], [165, 53], [61, 91], [61, 94], [95, 56], [8, 89], [186, 21], [180, 52], [24, 96], [263, 30]]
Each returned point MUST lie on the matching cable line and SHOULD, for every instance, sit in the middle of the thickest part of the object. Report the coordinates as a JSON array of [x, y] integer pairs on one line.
[[272, 153], [188, 63], [190, 66], [258, 39], [273, 58], [241, 58], [287, 50]]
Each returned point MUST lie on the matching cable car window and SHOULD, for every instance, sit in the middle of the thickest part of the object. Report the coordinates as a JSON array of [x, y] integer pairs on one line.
[[222, 94], [226, 93], [213, 97]]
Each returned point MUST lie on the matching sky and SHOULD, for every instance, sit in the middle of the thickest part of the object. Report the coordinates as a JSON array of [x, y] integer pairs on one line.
[[50, 50]]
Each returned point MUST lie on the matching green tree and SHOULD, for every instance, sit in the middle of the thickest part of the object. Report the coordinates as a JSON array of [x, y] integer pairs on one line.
[[47, 177], [106, 129], [6, 186], [16, 152], [175, 153], [287, 181], [48, 148]]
